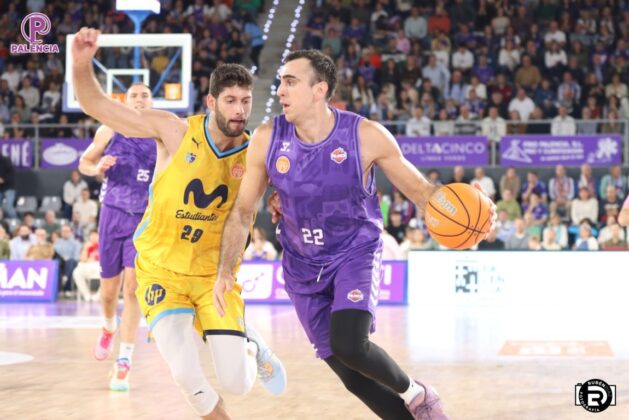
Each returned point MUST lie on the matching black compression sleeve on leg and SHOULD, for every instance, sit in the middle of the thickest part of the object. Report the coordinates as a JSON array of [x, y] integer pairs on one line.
[[385, 403], [349, 339]]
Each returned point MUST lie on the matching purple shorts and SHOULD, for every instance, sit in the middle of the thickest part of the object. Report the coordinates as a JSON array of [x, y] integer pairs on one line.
[[115, 243], [350, 282]]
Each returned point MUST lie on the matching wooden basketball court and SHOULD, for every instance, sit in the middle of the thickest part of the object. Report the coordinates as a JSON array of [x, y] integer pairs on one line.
[[487, 363]]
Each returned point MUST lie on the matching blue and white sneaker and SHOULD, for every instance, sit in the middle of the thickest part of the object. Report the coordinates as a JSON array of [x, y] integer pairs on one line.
[[270, 369]]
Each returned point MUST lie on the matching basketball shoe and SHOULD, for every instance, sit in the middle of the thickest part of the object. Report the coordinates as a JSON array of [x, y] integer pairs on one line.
[[104, 345], [431, 408], [120, 375], [271, 371]]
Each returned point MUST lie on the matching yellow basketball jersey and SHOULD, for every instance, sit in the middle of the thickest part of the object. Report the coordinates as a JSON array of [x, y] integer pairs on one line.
[[189, 202]]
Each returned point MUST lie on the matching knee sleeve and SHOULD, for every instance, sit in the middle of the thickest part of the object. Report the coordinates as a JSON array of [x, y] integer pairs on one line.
[[174, 336], [349, 334], [235, 365]]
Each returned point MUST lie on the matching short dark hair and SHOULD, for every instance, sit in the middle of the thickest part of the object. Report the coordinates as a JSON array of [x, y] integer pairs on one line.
[[228, 75], [323, 66]]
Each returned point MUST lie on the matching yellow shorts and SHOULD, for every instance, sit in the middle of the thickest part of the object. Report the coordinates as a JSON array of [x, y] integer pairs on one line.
[[162, 292]]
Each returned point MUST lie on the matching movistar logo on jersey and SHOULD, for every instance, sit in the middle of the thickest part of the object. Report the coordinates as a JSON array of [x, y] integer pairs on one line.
[[200, 198]]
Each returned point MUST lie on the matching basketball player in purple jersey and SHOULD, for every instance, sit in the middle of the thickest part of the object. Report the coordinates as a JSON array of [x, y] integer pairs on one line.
[[322, 163], [127, 167]]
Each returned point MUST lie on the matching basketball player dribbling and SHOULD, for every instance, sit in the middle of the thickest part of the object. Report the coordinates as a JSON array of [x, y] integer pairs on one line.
[[322, 163], [200, 165], [127, 167]]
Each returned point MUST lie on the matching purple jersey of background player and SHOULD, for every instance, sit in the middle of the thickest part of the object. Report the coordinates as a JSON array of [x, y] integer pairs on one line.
[[125, 186], [326, 209]]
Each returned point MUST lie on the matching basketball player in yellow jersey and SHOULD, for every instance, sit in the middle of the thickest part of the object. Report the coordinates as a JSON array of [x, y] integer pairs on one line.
[[200, 164]]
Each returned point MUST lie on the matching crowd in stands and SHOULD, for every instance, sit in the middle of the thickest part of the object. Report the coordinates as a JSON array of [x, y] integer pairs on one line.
[[31, 84], [559, 213], [479, 66]]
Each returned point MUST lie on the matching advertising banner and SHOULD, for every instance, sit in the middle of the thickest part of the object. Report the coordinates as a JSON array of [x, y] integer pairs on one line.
[[28, 281], [20, 151], [445, 151], [62, 153]]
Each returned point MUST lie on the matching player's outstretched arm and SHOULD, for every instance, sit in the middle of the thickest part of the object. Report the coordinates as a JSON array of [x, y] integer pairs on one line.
[[379, 147], [129, 122], [92, 162], [240, 218]]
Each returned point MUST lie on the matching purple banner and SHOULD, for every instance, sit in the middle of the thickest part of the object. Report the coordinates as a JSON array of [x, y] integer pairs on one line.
[[62, 152], [263, 282], [20, 151], [28, 281], [445, 151], [547, 150]]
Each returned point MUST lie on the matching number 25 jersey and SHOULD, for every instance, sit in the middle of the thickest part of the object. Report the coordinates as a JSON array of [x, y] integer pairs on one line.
[[189, 202]]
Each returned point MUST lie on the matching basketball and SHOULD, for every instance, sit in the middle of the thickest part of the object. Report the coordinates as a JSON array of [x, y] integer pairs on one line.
[[457, 216]]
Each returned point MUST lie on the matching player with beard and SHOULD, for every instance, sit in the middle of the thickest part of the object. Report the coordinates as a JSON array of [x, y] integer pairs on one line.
[[200, 165]]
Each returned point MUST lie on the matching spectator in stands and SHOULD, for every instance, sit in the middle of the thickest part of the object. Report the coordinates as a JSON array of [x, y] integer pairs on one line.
[[50, 224], [415, 26], [491, 243], [534, 243], [476, 86], [465, 126], [444, 126], [555, 61], [494, 126], [584, 208], [613, 126], [561, 190], [511, 181], [462, 59], [41, 249], [416, 239], [5, 247], [587, 180], [504, 227], [78, 228], [395, 227], [7, 186], [533, 185], [545, 97], [28, 219], [563, 124], [615, 240], [438, 75], [88, 267], [21, 109], [254, 37], [457, 89], [458, 175], [484, 183], [535, 124], [615, 178], [29, 93], [508, 204], [72, 192], [88, 210], [509, 58], [12, 75], [22, 241], [616, 88], [609, 208], [519, 240], [560, 232], [483, 71], [550, 241], [528, 75], [390, 247], [537, 210], [260, 249], [68, 251], [585, 126], [522, 104], [605, 232], [585, 241], [434, 177], [5, 114], [419, 125]]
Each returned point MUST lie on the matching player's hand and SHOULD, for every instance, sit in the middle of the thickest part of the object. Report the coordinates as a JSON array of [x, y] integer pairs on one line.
[[84, 45], [492, 210], [273, 202], [105, 163], [224, 284]]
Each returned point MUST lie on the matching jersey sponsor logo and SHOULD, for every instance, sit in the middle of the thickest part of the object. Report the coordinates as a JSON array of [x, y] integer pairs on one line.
[[181, 214], [355, 296], [200, 198], [190, 157], [154, 294], [238, 171], [285, 146], [339, 155], [196, 142], [282, 164]]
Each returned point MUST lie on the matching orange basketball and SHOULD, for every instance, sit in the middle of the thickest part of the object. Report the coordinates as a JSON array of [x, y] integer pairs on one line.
[[457, 216]]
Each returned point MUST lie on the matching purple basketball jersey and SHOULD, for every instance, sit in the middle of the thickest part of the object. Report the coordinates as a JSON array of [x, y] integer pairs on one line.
[[326, 209], [126, 184]]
